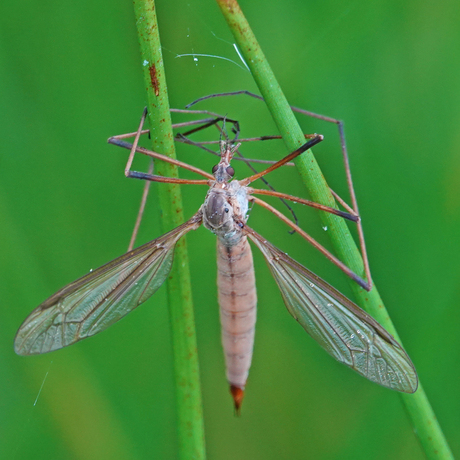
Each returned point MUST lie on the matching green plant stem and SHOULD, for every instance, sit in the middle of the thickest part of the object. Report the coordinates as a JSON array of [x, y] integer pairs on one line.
[[188, 395], [424, 421]]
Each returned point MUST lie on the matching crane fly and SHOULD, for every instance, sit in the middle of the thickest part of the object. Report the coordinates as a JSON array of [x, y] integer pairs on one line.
[[97, 300]]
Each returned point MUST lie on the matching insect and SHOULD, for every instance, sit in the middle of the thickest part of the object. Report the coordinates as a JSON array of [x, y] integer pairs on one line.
[[99, 299]]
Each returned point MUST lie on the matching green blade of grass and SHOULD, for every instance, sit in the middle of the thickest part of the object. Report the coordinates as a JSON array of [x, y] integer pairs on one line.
[[187, 381], [422, 416]]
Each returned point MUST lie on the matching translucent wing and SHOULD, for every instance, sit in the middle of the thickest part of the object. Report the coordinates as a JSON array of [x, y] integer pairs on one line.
[[343, 329], [96, 301]]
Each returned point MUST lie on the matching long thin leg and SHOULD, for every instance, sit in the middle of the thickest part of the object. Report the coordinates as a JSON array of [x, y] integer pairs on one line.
[[181, 138], [140, 213], [351, 189], [260, 138], [315, 244], [345, 159], [350, 216], [206, 122], [159, 156], [166, 180], [284, 160], [117, 140], [136, 141]]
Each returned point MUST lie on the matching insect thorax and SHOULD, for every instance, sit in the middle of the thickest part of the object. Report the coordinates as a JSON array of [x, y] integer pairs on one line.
[[224, 211]]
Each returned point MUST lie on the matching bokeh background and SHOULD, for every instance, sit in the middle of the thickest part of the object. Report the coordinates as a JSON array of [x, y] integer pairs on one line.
[[70, 77]]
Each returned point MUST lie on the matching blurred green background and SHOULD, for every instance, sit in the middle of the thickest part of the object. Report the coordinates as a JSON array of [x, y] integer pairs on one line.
[[70, 77]]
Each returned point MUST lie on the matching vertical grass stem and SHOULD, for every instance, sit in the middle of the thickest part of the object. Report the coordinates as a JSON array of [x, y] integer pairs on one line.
[[187, 381]]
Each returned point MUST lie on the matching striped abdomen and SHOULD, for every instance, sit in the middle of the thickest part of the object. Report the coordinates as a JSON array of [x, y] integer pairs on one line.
[[237, 300]]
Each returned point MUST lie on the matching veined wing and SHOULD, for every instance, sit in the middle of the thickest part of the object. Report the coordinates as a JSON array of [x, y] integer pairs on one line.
[[343, 329], [97, 300]]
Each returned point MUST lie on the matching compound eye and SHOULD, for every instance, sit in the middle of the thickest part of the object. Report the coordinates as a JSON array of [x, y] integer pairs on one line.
[[230, 171], [214, 168]]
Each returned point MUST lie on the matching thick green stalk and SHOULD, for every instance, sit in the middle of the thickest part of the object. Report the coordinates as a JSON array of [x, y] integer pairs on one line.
[[418, 406], [188, 394]]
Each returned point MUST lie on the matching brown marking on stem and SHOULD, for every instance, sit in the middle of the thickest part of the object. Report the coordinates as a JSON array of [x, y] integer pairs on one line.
[[154, 79]]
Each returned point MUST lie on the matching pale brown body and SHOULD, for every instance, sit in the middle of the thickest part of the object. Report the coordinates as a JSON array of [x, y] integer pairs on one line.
[[224, 213], [237, 300]]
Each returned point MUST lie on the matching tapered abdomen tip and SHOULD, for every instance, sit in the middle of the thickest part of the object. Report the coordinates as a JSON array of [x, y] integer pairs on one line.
[[238, 395]]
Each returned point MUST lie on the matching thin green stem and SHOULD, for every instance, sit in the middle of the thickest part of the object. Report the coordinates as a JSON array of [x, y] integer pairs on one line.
[[424, 421], [188, 394]]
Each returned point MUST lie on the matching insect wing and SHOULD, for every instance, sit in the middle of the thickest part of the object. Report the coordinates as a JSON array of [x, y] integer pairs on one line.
[[343, 329], [97, 300]]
